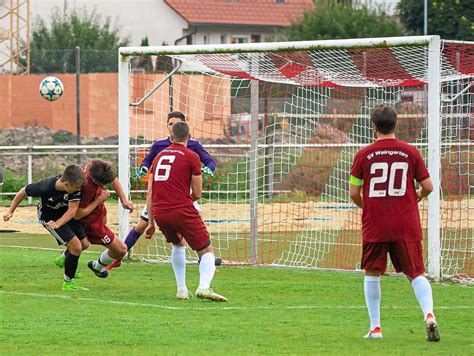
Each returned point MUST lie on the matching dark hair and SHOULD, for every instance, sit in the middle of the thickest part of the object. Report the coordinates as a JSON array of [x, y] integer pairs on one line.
[[177, 114], [101, 171], [384, 119], [180, 131], [73, 174]]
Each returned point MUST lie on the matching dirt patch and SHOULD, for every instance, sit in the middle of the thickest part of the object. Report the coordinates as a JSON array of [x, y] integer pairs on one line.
[[225, 218]]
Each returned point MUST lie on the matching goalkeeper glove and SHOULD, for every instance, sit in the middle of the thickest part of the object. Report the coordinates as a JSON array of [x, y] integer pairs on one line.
[[207, 170], [141, 172]]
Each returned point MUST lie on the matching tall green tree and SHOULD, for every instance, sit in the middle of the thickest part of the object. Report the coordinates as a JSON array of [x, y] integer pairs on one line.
[[52, 45], [451, 19], [332, 20]]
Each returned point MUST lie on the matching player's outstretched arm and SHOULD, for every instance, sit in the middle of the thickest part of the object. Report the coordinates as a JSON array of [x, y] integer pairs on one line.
[[206, 159], [72, 208], [149, 158], [150, 229], [126, 204], [426, 187], [83, 212], [15, 202]]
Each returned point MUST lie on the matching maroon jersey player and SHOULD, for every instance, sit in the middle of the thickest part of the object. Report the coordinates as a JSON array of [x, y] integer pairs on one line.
[[170, 205], [382, 183], [93, 214]]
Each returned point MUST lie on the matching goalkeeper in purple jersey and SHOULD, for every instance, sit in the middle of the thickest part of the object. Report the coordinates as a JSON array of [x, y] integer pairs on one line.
[[177, 257]]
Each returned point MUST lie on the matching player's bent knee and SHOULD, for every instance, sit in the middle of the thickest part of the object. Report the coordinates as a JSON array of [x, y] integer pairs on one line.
[[205, 250], [373, 273], [118, 249], [85, 244], [74, 246]]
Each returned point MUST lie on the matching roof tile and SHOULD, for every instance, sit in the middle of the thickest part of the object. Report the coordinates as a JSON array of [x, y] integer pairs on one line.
[[241, 12]]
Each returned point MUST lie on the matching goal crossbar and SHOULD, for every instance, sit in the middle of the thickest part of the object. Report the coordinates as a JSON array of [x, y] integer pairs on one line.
[[278, 46]]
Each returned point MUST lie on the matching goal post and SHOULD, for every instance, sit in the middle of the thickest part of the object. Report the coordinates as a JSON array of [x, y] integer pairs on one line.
[[434, 157], [283, 121]]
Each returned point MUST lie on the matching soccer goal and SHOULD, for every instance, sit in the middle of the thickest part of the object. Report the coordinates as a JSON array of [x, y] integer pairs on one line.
[[283, 122]]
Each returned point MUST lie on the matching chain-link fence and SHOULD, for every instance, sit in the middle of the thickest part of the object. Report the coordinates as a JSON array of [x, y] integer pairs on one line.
[[65, 60]]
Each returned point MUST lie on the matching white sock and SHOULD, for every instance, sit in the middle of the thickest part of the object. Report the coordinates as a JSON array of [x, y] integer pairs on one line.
[[422, 289], [178, 261], [206, 270], [67, 278], [104, 261], [373, 295]]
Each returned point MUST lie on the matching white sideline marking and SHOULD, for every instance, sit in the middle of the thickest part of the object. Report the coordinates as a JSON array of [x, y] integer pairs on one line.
[[167, 307], [43, 248]]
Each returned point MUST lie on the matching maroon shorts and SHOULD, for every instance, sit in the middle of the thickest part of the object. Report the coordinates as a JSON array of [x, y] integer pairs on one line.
[[98, 233], [183, 223], [406, 257]]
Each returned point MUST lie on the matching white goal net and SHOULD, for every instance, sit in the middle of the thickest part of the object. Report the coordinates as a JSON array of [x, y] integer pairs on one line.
[[283, 122]]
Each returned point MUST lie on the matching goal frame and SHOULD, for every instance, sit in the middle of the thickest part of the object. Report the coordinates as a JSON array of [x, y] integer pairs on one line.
[[434, 105]]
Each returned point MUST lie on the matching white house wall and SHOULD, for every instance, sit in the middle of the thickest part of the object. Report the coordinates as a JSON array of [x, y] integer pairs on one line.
[[137, 19]]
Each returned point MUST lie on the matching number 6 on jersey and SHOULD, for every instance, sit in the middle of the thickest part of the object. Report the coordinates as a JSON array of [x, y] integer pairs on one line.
[[160, 167]]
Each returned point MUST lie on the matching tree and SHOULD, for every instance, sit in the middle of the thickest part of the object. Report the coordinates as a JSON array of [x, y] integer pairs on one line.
[[143, 62], [449, 19], [330, 20], [52, 48]]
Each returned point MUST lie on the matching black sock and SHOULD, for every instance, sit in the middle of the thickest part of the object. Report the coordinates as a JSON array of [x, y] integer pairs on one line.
[[70, 266]]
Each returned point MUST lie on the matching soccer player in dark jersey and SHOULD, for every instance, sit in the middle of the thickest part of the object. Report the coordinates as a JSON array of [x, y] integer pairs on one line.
[[170, 205], [382, 183], [60, 196], [93, 214], [178, 254]]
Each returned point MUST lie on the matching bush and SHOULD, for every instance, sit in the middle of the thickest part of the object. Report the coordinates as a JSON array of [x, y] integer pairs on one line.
[[13, 182]]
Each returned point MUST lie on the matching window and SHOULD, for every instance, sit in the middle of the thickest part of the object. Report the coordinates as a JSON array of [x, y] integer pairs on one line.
[[239, 39], [223, 39], [189, 40], [206, 39], [280, 1], [255, 38]]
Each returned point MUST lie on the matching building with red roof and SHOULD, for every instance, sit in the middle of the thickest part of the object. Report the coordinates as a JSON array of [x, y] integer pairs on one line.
[[189, 21], [236, 21]]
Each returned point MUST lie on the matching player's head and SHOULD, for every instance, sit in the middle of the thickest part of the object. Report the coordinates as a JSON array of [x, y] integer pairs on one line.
[[180, 132], [101, 172], [385, 119], [174, 117], [73, 178]]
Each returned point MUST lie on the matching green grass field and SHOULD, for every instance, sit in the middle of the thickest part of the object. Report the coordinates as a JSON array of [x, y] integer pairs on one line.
[[270, 310]]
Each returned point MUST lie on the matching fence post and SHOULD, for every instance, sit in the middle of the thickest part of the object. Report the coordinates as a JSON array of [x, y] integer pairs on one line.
[[1, 186], [30, 171], [78, 100]]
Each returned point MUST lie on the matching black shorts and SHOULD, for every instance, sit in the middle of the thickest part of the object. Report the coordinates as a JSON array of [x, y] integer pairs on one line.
[[66, 232]]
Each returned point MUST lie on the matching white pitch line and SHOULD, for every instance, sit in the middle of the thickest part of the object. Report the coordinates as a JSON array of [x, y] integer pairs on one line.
[[167, 307], [43, 248]]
